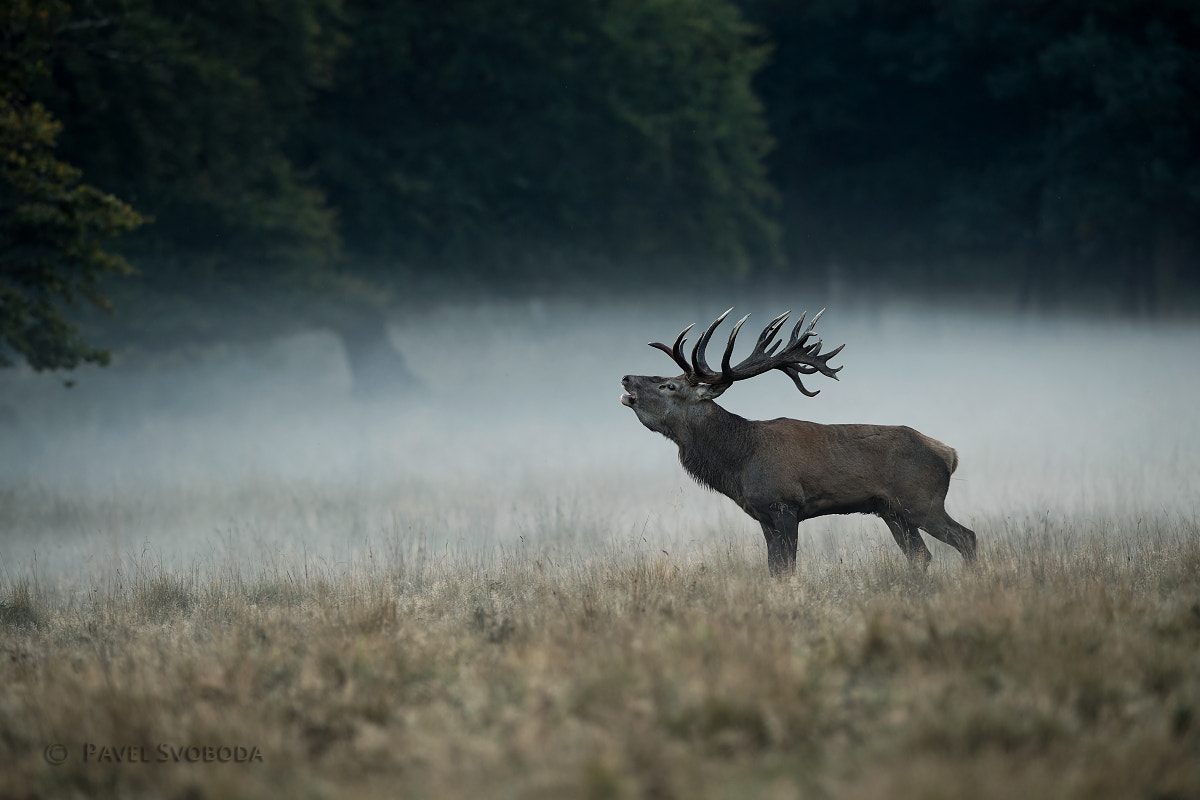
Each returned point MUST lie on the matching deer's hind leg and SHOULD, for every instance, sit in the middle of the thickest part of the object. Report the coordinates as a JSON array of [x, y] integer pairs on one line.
[[941, 526], [909, 539]]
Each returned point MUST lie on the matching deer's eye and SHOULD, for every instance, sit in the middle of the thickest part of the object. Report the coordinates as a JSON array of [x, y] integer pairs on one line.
[[670, 387]]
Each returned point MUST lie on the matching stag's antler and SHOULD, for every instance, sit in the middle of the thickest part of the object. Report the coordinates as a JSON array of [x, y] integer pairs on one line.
[[798, 357]]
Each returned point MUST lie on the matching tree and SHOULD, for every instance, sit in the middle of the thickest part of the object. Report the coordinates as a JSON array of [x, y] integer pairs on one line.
[[51, 224], [189, 109], [534, 140], [193, 111]]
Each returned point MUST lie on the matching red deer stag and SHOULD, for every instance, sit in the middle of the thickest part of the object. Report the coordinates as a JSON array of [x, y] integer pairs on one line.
[[783, 471]]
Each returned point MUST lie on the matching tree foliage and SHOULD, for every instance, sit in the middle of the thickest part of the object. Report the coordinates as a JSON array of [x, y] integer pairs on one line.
[[512, 137], [51, 224], [509, 138], [304, 160], [189, 110]]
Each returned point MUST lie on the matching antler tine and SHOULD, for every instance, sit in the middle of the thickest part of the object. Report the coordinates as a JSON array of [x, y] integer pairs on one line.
[[796, 330], [772, 328], [794, 374], [765, 345], [832, 370], [699, 365], [819, 361], [726, 372], [813, 323], [676, 350]]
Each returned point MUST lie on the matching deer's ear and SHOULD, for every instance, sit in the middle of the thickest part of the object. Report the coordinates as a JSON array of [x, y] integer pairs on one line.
[[708, 392]]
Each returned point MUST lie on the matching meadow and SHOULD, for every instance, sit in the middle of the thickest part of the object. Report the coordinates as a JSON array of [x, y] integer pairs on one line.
[[222, 577]]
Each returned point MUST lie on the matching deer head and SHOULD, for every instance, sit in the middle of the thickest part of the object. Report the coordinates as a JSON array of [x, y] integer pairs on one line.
[[666, 404]]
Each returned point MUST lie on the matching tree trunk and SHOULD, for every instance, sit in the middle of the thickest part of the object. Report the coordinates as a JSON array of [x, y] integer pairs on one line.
[[378, 370]]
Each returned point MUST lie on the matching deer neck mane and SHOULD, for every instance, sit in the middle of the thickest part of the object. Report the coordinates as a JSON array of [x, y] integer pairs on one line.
[[714, 445]]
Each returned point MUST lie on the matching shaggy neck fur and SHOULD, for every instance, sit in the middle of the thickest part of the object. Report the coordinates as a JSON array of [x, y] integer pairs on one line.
[[714, 445]]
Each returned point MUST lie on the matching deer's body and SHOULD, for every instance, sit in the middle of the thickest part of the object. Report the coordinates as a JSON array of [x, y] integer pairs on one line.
[[784, 471]]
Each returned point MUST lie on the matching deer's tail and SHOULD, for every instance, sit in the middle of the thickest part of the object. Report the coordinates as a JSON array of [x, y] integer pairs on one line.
[[947, 453]]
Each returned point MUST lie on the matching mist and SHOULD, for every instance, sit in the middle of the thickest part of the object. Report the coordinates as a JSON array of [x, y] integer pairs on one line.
[[260, 454]]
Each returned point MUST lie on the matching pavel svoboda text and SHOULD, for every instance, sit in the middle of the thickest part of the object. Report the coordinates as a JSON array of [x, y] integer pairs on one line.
[[166, 753]]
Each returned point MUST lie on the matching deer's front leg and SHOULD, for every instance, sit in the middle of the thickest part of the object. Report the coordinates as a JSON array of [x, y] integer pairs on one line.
[[780, 525]]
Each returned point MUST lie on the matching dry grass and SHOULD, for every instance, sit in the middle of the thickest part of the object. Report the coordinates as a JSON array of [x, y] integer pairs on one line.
[[1066, 665]]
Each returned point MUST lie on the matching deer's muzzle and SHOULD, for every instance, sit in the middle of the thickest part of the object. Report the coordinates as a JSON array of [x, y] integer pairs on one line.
[[628, 398]]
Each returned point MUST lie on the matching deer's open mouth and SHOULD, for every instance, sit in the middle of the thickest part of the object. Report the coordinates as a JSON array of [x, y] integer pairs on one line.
[[628, 399]]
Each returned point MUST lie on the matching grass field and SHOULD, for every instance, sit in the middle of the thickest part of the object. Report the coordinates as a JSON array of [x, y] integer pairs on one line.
[[516, 592], [1066, 665]]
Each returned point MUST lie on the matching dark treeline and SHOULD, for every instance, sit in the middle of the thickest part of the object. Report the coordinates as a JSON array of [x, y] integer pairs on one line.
[[266, 164], [1043, 146]]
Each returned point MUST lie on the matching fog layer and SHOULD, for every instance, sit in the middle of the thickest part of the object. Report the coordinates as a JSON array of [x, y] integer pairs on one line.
[[260, 453]]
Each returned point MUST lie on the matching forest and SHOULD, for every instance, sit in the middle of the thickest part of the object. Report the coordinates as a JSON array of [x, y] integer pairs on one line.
[[176, 174]]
